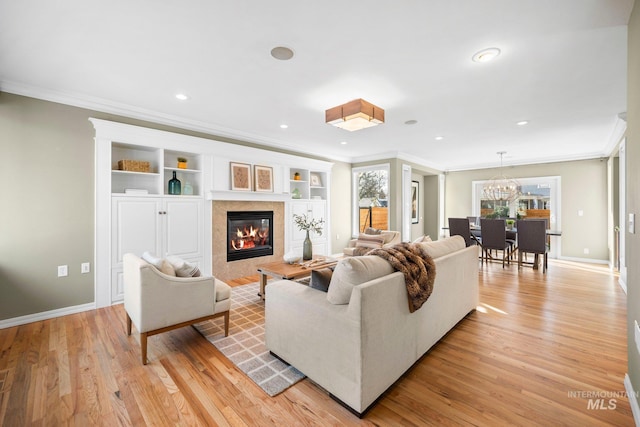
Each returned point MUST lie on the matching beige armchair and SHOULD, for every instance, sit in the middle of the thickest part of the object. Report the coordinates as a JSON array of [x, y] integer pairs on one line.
[[390, 238], [156, 302]]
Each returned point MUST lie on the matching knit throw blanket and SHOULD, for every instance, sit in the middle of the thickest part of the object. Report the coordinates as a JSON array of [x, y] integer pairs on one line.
[[417, 266]]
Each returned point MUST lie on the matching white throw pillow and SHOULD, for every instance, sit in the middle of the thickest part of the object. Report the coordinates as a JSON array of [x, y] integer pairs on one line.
[[161, 264], [152, 259], [444, 246], [183, 268], [423, 238], [353, 271]]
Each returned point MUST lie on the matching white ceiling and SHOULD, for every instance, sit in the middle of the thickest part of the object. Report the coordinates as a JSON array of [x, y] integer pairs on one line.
[[562, 67]]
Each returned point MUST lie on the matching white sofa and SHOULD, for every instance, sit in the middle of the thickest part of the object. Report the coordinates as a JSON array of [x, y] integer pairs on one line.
[[357, 350]]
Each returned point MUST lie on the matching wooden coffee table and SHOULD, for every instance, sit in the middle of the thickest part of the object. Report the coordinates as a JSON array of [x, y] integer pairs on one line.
[[283, 270]]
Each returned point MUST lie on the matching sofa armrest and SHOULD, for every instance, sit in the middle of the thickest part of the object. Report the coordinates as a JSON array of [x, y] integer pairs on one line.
[[304, 329]]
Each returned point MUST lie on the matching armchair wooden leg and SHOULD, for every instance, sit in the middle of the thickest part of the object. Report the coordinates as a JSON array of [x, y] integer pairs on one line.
[[128, 324], [226, 323], [143, 347]]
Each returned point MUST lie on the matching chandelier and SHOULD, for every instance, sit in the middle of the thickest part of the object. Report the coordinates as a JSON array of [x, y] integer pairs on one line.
[[501, 187]]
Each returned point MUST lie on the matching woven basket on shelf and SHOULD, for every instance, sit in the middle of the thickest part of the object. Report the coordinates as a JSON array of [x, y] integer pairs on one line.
[[133, 165]]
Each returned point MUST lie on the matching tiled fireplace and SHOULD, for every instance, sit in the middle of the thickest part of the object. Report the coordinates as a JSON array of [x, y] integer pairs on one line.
[[249, 234], [252, 237]]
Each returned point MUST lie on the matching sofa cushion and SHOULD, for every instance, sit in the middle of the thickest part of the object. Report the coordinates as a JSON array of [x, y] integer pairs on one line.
[[444, 246], [369, 241], [223, 291], [353, 271], [423, 238], [371, 230], [320, 279]]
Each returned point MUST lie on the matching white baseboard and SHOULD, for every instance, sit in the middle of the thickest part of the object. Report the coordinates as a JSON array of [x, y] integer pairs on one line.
[[633, 401], [622, 284], [585, 260], [22, 320]]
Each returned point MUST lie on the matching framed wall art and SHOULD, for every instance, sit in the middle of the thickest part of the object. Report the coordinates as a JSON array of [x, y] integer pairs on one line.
[[315, 180], [263, 178], [240, 176], [415, 202]]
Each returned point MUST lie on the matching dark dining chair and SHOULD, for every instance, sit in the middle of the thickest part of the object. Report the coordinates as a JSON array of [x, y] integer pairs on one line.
[[532, 238], [494, 238], [460, 227]]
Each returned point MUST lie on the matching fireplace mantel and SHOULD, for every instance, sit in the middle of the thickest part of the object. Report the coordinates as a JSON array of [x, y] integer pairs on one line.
[[248, 196]]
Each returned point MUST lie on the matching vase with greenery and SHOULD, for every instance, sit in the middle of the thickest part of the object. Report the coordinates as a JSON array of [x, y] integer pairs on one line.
[[307, 224]]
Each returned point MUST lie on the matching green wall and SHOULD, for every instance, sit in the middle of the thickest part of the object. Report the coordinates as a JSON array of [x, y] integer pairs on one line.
[[47, 199], [47, 211], [583, 187], [633, 193]]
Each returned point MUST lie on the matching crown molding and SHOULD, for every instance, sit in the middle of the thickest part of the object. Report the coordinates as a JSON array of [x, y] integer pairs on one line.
[[111, 107]]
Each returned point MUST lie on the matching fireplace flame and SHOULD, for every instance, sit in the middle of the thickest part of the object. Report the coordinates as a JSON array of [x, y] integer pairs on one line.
[[248, 238]]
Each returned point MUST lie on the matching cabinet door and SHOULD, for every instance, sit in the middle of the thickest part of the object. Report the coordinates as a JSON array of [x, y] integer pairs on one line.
[[298, 208], [318, 211], [136, 227], [184, 225]]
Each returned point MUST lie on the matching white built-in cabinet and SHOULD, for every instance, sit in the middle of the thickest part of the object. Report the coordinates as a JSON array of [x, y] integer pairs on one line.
[[312, 209], [160, 225], [309, 192], [135, 212]]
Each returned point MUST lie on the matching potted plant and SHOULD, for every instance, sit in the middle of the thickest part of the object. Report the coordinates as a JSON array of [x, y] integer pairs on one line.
[[307, 224], [182, 162], [510, 223]]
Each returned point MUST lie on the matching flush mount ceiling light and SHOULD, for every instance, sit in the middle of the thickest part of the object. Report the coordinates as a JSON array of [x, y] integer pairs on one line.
[[523, 123], [486, 55], [355, 115], [181, 96], [282, 53]]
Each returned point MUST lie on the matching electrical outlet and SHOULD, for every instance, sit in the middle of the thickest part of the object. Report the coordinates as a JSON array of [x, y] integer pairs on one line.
[[636, 334], [586, 251], [85, 267], [63, 271]]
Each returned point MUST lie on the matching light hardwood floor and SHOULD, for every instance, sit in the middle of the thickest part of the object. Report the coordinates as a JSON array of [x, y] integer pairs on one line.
[[534, 342]]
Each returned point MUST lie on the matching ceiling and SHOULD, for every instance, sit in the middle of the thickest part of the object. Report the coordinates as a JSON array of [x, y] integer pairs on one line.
[[562, 67]]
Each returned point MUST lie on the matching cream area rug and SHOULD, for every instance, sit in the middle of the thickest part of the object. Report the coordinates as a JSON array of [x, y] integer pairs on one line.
[[245, 345]]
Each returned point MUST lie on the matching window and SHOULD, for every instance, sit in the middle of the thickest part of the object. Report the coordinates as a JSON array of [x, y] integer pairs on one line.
[[539, 198], [370, 197]]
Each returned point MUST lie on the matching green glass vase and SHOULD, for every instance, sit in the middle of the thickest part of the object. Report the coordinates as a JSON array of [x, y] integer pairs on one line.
[[174, 185]]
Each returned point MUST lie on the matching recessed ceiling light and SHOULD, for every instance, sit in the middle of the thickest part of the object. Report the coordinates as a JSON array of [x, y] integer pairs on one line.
[[411, 122], [343, 142], [523, 122], [282, 53], [486, 55], [439, 138], [181, 96], [283, 126]]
